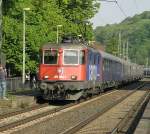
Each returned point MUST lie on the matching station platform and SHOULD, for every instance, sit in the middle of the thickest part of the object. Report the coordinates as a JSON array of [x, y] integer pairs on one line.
[[144, 124], [17, 100]]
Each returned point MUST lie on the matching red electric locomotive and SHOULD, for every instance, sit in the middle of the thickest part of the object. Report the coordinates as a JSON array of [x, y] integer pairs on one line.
[[62, 71]]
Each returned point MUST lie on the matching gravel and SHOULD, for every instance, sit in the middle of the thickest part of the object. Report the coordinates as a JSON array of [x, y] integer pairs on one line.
[[67, 118]]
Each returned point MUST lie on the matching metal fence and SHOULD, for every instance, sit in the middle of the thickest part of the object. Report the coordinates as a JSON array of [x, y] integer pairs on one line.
[[15, 83]]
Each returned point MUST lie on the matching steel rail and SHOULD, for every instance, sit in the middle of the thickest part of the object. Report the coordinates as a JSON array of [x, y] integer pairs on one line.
[[17, 112], [81, 124], [52, 111], [40, 115], [129, 122], [28, 109], [34, 117]]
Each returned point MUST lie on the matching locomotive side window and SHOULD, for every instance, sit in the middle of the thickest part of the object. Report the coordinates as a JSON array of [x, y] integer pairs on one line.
[[82, 57], [50, 56], [70, 57]]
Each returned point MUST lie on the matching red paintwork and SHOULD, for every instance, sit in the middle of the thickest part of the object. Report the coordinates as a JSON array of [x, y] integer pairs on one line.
[[62, 72], [68, 71]]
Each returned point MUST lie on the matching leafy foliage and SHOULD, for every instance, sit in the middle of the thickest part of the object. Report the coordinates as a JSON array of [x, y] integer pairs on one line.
[[41, 23], [136, 30]]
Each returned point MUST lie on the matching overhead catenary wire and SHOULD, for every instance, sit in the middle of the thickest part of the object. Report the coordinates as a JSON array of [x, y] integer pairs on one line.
[[121, 9], [115, 1], [109, 1]]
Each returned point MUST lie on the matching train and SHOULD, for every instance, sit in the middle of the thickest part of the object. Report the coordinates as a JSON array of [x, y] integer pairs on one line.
[[75, 70]]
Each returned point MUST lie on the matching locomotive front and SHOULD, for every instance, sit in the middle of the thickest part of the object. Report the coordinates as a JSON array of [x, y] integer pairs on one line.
[[62, 71]]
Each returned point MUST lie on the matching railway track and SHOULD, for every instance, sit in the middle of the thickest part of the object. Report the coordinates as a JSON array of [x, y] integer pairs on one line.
[[55, 113], [130, 121], [17, 112], [17, 118], [105, 120], [5, 124]]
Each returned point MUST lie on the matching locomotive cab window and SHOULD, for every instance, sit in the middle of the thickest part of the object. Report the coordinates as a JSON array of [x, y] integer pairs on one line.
[[50, 56], [71, 57]]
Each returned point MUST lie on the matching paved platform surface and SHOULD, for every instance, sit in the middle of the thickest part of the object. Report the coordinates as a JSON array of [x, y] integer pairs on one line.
[[144, 124], [17, 100]]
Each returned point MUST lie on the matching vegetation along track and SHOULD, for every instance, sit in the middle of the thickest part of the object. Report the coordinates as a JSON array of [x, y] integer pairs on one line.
[[59, 120]]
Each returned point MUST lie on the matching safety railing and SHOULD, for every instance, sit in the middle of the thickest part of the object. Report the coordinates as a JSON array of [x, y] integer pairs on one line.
[[15, 83]]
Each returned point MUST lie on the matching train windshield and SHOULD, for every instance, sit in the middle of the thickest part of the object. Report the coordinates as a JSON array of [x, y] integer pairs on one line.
[[73, 57], [70, 57], [50, 56]]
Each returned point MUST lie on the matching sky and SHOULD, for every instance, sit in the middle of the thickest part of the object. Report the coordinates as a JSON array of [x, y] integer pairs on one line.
[[110, 13]]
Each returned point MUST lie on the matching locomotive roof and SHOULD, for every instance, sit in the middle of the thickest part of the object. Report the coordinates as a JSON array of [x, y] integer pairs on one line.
[[114, 58], [64, 45], [109, 56]]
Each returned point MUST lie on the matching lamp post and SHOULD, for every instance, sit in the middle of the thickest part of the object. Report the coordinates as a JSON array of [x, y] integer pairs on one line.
[[23, 67], [58, 33]]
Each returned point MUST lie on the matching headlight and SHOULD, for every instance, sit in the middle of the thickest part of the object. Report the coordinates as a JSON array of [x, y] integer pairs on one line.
[[73, 77], [46, 77]]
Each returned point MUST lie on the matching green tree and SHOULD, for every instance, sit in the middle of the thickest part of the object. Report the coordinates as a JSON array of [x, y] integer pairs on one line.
[[112, 45], [136, 30], [41, 22], [78, 12]]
